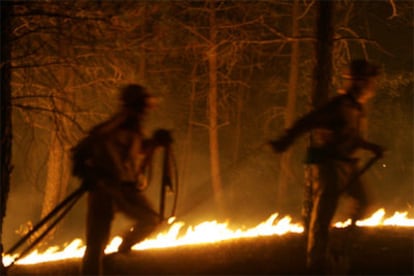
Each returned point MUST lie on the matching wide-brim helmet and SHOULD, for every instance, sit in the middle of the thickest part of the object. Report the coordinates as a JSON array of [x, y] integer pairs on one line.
[[136, 97], [361, 69]]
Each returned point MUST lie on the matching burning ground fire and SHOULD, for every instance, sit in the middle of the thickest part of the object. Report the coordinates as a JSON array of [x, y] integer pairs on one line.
[[206, 232]]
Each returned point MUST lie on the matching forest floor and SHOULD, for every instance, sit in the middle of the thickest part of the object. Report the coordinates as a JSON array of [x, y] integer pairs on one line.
[[375, 251]]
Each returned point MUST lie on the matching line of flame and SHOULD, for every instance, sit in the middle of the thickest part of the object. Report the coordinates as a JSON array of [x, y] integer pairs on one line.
[[206, 232]]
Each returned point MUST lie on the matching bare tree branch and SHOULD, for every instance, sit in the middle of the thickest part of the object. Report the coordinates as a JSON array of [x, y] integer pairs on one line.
[[37, 108], [41, 13], [394, 9]]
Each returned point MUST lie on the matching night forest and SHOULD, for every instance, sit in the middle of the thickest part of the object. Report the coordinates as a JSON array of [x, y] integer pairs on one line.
[[230, 74]]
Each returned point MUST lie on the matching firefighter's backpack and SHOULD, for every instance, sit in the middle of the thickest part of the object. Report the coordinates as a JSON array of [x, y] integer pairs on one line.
[[81, 155]]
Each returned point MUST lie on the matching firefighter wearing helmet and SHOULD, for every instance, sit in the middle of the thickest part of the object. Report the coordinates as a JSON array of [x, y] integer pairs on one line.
[[332, 158], [134, 97], [110, 162]]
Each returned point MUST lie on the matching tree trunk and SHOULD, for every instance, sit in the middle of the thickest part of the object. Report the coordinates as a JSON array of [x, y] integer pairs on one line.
[[322, 82], [58, 173], [324, 48], [142, 66], [6, 122], [238, 128], [213, 112], [285, 174], [186, 152]]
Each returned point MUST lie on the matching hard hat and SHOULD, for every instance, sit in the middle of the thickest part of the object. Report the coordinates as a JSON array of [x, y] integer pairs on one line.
[[135, 97], [362, 69]]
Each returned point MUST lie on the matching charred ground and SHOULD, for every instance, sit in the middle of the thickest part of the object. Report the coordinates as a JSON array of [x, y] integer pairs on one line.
[[376, 251]]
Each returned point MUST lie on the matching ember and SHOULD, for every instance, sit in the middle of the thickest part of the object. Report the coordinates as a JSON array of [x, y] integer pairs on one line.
[[206, 232]]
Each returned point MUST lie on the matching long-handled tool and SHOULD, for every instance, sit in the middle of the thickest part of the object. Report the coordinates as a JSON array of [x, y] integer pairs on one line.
[[308, 204], [169, 178], [60, 211], [364, 168], [340, 256]]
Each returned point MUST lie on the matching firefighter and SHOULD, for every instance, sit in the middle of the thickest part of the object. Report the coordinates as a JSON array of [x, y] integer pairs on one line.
[[110, 163], [336, 137]]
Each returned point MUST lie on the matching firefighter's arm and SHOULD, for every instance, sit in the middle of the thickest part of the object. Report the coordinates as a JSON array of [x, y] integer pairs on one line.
[[318, 118], [374, 148], [115, 162], [160, 138]]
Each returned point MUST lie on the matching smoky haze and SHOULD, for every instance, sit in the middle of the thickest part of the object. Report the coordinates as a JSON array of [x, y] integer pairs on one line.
[[251, 108]]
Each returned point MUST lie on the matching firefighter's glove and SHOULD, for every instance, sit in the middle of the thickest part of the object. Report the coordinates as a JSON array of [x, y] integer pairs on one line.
[[162, 137], [88, 184], [281, 144], [378, 150]]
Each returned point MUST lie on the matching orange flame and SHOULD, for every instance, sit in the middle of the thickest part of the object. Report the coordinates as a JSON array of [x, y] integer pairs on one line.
[[206, 232]]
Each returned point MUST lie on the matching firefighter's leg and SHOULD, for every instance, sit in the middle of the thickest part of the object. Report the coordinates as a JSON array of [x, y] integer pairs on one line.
[[137, 233], [344, 245], [359, 194], [146, 221], [324, 206], [99, 217]]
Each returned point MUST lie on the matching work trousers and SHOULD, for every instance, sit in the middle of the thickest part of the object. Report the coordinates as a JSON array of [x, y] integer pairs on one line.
[[104, 200], [325, 183]]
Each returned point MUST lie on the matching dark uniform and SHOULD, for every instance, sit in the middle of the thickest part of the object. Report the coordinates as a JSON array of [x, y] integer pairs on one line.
[[109, 162], [337, 135]]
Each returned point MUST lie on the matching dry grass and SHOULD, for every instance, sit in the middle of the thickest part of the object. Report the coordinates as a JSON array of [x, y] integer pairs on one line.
[[386, 251]]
